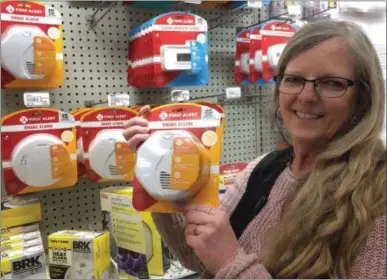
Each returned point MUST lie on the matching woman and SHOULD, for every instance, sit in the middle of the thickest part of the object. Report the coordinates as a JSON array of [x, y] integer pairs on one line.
[[326, 213]]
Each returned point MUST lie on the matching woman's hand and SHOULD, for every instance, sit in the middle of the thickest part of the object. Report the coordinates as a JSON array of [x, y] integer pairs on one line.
[[136, 129], [208, 232]]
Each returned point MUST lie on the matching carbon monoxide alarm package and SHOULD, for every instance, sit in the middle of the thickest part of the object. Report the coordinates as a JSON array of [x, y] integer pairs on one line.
[[38, 150], [106, 154], [179, 162], [31, 46]]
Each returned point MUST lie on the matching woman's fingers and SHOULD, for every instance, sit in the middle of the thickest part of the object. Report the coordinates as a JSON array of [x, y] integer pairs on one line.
[[135, 121], [136, 140], [190, 229], [134, 130], [144, 110], [198, 218]]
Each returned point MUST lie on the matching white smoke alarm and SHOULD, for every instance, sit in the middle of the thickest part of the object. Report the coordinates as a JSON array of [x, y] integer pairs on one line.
[[274, 53], [258, 61], [102, 155], [154, 164], [245, 59], [31, 159], [17, 51], [80, 151]]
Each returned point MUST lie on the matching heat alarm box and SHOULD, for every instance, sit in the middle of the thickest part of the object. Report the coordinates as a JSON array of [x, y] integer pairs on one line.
[[38, 150], [169, 50], [31, 46]]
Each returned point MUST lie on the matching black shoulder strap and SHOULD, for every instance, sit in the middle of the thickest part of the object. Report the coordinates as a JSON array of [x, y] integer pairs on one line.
[[258, 188]]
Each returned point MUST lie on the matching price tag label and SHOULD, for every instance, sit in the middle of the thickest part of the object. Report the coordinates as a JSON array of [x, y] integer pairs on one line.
[[254, 4], [36, 99], [294, 9], [179, 95], [332, 4], [119, 100], [193, 1], [233, 93]]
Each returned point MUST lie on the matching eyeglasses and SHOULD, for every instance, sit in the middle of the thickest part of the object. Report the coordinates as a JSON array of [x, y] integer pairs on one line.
[[327, 87]]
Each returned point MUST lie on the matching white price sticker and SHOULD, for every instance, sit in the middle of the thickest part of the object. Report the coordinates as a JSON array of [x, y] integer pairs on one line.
[[36, 99], [119, 100], [254, 4], [179, 95], [193, 1], [294, 9], [233, 93]]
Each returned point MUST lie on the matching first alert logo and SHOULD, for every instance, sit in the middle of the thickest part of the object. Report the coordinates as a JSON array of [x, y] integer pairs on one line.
[[10, 9], [99, 117], [170, 20], [163, 115], [23, 119]]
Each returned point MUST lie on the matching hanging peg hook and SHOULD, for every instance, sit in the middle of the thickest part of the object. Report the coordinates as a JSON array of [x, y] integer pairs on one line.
[[93, 21]]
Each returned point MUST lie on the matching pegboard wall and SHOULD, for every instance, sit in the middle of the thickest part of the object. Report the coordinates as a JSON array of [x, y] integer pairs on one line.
[[95, 65]]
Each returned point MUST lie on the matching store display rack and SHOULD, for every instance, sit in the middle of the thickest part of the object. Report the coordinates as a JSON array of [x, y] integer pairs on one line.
[[95, 65]]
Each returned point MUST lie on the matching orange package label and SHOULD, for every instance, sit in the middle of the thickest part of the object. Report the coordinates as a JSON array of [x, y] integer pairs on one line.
[[125, 159], [185, 164], [44, 56], [60, 161]]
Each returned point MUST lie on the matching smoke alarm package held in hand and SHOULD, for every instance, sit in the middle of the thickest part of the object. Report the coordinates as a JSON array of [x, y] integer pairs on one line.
[[179, 162], [106, 154], [38, 150], [169, 50], [31, 45]]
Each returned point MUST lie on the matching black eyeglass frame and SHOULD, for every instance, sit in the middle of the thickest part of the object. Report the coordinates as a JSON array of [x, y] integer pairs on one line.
[[278, 79]]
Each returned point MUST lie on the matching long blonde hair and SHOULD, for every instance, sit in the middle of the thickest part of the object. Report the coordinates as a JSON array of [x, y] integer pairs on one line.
[[333, 208]]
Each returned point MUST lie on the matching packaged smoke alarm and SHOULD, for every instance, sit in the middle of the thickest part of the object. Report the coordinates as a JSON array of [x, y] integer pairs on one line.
[[228, 174], [27, 263], [21, 244], [79, 255], [19, 229], [77, 114], [31, 45], [19, 237], [106, 154], [275, 35], [255, 74], [179, 162], [18, 212], [136, 245], [242, 58], [38, 150]]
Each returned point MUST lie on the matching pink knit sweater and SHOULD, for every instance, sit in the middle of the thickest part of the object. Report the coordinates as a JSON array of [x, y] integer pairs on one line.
[[370, 262]]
